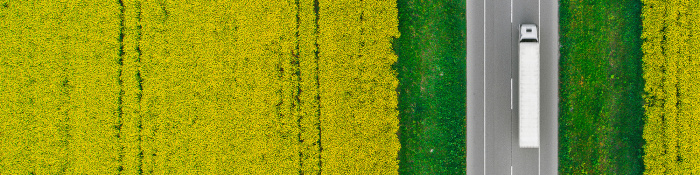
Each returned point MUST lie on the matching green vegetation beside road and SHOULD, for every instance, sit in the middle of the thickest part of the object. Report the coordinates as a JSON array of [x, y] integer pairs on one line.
[[601, 114], [431, 73]]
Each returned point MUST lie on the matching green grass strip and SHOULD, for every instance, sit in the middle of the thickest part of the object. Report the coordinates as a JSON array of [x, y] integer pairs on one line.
[[601, 114], [431, 72]]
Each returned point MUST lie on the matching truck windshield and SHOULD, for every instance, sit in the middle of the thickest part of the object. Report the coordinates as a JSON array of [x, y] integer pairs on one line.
[[528, 40]]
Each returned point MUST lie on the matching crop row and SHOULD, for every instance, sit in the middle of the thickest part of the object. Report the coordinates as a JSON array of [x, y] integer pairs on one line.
[[218, 87], [671, 59], [358, 101], [59, 87]]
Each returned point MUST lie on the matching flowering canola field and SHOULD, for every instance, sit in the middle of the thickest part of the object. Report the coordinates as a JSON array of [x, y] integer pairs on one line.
[[198, 87], [671, 58]]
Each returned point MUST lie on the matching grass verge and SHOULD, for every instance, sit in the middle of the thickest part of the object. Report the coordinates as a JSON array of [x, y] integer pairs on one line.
[[601, 86], [431, 72]]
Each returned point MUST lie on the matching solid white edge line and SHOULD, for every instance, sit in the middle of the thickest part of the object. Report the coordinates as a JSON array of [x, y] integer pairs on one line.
[[484, 13], [539, 14]]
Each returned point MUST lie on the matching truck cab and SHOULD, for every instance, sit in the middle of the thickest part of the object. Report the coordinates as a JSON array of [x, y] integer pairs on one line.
[[528, 33]]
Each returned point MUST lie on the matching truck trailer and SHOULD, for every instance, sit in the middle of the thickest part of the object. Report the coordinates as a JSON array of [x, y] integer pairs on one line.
[[529, 87]]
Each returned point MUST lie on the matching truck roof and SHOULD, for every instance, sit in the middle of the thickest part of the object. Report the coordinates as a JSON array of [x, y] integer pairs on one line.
[[528, 33]]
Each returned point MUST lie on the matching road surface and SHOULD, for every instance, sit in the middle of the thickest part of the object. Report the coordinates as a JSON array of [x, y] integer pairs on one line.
[[492, 59]]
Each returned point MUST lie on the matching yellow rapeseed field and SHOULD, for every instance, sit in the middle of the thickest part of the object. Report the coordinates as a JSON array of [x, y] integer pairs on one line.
[[671, 70], [198, 87]]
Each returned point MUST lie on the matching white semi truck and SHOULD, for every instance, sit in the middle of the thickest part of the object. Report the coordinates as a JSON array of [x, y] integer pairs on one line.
[[529, 87]]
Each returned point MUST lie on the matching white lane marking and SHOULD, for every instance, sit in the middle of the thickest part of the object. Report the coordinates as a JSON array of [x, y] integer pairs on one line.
[[484, 86], [511, 170], [511, 93], [511, 11]]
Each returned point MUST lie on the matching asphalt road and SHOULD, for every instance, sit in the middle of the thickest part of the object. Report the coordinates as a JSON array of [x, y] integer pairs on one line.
[[492, 59]]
